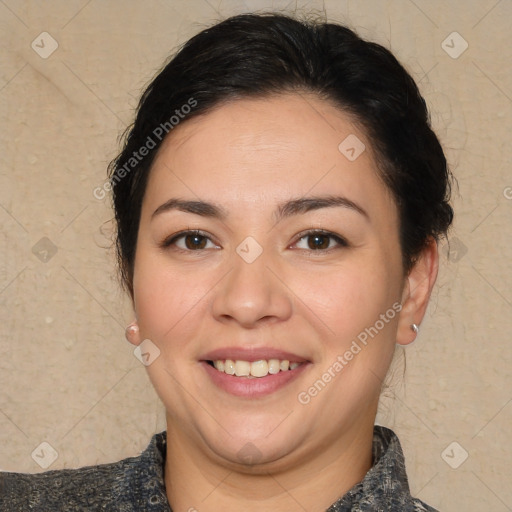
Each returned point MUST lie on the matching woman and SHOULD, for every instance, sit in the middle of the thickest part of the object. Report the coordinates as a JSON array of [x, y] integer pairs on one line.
[[278, 200]]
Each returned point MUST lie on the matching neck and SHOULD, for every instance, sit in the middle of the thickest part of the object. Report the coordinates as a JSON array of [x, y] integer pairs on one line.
[[197, 482]]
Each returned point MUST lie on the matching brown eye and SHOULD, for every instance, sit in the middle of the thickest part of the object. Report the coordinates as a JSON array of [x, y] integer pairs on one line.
[[321, 241], [189, 241], [193, 242]]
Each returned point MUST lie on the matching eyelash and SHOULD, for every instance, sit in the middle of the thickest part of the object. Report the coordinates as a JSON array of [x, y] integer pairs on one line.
[[168, 242], [342, 243]]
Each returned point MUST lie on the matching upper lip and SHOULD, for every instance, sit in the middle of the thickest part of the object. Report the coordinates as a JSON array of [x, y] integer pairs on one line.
[[251, 355]]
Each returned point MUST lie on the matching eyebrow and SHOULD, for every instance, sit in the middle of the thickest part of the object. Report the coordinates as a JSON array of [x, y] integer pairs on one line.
[[198, 207], [307, 204], [284, 210]]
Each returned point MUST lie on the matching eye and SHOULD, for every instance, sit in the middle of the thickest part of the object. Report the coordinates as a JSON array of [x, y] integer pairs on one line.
[[319, 240], [193, 240]]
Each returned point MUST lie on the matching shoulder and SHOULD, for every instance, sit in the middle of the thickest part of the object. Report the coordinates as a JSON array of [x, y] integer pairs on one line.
[[131, 484], [63, 489]]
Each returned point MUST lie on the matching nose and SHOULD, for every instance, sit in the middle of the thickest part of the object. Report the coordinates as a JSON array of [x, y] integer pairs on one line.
[[252, 294]]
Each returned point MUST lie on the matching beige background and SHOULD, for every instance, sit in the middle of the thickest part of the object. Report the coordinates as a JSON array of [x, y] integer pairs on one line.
[[67, 376]]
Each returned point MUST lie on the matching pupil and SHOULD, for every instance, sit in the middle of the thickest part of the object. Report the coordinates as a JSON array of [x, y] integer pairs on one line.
[[317, 244], [196, 242]]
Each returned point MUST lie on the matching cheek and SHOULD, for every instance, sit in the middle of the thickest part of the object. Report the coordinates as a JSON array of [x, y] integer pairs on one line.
[[350, 297], [167, 299]]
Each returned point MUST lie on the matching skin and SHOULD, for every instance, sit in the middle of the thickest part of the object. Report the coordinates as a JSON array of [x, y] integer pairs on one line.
[[249, 156]]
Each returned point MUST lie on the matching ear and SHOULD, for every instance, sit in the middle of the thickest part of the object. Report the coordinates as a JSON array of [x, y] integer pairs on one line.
[[416, 293]]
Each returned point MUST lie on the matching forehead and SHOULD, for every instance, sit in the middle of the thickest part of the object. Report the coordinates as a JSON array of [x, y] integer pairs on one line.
[[253, 150]]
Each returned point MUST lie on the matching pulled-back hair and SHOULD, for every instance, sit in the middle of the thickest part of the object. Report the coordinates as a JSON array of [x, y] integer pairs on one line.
[[250, 56]]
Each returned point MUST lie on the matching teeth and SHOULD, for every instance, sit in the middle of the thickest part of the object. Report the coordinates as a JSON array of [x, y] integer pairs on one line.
[[259, 368], [253, 369], [273, 366], [229, 367], [242, 368]]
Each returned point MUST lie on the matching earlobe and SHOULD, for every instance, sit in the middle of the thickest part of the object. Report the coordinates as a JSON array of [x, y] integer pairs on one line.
[[132, 333], [416, 293]]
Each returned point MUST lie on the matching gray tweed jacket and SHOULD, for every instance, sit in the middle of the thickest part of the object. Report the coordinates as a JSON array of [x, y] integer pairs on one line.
[[136, 484]]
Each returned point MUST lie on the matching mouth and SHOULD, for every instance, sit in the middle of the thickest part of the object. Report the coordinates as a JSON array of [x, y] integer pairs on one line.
[[253, 369], [254, 373]]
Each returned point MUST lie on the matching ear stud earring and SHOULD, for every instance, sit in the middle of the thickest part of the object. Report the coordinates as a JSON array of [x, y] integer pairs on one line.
[[415, 328], [132, 333]]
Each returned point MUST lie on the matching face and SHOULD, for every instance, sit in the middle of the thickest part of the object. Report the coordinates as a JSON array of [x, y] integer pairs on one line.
[[261, 242]]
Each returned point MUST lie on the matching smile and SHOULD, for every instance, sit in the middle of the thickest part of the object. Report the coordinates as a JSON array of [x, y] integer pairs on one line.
[[254, 369]]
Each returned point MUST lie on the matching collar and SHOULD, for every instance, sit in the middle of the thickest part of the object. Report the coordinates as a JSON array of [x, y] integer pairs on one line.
[[385, 486]]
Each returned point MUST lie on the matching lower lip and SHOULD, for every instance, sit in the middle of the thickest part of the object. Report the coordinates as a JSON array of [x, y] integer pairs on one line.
[[252, 388]]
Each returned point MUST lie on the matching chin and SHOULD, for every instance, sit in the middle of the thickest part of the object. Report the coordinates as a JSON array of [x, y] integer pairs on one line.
[[260, 456], [255, 442]]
